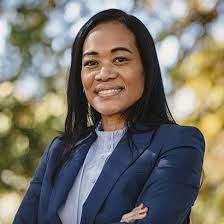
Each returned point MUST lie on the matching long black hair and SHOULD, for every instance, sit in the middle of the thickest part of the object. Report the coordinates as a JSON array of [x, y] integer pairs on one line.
[[150, 110]]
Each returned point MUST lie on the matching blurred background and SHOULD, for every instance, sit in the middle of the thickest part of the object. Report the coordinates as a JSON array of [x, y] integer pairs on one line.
[[35, 46]]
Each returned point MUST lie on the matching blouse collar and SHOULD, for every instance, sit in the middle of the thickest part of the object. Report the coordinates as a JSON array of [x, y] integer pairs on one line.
[[105, 134]]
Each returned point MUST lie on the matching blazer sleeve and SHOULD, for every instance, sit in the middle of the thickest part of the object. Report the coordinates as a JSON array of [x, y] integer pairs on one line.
[[174, 183], [28, 209]]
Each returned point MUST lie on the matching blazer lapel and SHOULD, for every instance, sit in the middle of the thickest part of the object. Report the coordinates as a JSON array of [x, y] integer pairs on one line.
[[67, 176], [121, 158]]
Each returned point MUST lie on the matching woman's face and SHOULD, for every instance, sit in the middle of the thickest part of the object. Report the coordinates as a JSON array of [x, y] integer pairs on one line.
[[112, 72]]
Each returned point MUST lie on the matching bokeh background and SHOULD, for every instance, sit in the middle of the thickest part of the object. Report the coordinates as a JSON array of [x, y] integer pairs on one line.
[[35, 46]]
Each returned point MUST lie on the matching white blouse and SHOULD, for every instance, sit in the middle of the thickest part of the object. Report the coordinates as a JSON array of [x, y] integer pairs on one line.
[[97, 156]]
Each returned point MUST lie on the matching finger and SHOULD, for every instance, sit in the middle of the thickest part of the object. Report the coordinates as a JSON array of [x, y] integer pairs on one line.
[[137, 210], [141, 216], [138, 207], [136, 217], [134, 214], [144, 210]]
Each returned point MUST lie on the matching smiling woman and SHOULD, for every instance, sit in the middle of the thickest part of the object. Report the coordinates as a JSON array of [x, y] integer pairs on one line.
[[112, 72], [122, 157]]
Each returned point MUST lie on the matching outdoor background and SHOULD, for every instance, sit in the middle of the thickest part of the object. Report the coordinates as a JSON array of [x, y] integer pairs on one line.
[[35, 44]]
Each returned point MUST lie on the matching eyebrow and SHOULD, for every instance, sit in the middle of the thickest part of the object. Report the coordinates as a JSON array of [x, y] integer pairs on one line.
[[112, 51], [120, 49]]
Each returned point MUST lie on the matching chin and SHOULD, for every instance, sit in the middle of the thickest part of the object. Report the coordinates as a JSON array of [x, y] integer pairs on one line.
[[108, 111]]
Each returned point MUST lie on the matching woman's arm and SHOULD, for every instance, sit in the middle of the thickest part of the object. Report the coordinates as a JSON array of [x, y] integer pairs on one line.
[[173, 186], [28, 209]]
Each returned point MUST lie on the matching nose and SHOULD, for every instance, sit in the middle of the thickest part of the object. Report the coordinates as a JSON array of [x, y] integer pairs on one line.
[[105, 73]]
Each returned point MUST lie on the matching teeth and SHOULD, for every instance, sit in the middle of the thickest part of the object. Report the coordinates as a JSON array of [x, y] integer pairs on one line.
[[109, 91]]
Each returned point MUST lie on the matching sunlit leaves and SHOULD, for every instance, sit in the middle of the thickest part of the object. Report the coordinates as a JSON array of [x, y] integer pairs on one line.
[[35, 42]]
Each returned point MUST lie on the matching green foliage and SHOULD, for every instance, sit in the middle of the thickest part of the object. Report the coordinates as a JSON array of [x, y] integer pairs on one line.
[[28, 123]]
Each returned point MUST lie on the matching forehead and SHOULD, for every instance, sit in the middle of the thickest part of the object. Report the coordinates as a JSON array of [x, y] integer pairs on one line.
[[109, 34]]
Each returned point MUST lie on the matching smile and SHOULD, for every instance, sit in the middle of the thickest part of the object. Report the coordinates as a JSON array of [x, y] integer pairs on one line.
[[109, 92]]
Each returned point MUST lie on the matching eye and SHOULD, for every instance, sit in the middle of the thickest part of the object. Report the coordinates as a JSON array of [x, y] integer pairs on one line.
[[90, 63], [120, 59]]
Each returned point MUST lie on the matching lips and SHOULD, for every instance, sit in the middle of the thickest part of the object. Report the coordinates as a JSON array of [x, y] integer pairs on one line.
[[109, 92], [107, 89]]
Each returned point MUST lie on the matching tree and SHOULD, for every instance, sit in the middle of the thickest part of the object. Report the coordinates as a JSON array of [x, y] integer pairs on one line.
[[34, 60]]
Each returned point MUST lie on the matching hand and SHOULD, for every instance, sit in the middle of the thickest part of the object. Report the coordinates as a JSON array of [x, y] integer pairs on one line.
[[137, 213]]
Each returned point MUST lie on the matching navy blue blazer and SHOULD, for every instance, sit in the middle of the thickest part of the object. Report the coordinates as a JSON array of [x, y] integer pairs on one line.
[[160, 168]]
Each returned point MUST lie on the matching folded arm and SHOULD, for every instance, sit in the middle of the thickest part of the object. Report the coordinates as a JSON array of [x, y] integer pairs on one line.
[[174, 183]]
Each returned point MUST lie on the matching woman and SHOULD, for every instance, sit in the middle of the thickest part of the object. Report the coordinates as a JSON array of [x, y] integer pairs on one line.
[[122, 157]]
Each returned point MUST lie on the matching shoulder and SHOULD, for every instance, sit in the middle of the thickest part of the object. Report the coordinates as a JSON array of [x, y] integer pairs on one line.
[[175, 135], [58, 143], [52, 147]]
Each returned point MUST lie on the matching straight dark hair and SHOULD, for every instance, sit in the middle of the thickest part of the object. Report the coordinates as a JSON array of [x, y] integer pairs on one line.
[[151, 110]]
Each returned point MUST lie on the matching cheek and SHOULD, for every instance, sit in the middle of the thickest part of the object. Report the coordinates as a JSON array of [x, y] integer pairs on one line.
[[135, 84], [87, 84]]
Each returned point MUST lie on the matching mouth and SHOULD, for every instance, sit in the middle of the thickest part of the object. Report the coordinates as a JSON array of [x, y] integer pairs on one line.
[[109, 92]]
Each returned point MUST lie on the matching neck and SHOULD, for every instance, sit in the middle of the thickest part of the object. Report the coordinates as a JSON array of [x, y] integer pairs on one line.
[[113, 123]]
